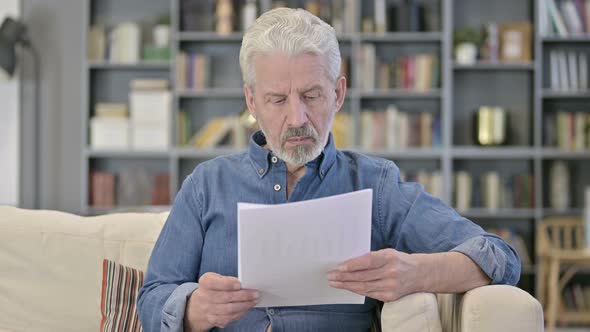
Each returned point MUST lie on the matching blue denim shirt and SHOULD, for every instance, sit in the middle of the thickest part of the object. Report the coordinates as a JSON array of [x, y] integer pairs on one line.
[[200, 234]]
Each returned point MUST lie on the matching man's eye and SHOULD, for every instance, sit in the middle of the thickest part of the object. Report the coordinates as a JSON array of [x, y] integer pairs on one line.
[[277, 100], [312, 96]]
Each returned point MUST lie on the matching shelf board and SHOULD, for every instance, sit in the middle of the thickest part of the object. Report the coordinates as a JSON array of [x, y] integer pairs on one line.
[[482, 66], [568, 212], [476, 152], [400, 93], [113, 153], [212, 93], [554, 153], [411, 153], [126, 209], [499, 214], [143, 65], [208, 36], [193, 153], [552, 94], [346, 37], [396, 37], [568, 39]]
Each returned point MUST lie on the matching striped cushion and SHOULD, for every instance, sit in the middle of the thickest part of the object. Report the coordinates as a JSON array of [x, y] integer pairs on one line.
[[120, 285]]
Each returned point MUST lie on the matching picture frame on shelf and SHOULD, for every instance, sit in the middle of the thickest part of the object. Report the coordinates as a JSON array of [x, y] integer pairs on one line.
[[516, 42]]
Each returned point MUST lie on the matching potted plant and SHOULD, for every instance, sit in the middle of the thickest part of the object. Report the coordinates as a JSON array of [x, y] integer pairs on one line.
[[466, 42]]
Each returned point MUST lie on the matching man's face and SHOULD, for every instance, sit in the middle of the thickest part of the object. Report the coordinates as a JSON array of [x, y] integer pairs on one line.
[[294, 103]]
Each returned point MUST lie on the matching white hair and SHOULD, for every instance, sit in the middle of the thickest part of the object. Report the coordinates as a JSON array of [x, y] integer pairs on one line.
[[294, 32]]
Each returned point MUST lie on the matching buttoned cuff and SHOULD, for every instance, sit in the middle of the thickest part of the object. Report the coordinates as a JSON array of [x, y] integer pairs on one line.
[[173, 310], [488, 257]]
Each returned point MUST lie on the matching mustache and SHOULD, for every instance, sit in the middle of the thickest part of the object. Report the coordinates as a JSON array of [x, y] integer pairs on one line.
[[301, 131]]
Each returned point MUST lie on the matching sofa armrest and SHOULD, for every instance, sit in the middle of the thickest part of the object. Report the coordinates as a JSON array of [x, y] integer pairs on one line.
[[490, 309], [412, 313]]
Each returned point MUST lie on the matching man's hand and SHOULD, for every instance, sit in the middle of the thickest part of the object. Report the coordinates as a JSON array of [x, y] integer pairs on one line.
[[385, 275], [218, 301]]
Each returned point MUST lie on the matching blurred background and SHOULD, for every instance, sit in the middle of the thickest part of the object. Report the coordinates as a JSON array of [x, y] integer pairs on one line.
[[107, 105]]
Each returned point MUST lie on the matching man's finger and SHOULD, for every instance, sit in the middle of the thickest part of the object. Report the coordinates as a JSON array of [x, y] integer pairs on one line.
[[363, 275], [227, 309], [214, 281], [363, 288], [243, 295], [372, 260]]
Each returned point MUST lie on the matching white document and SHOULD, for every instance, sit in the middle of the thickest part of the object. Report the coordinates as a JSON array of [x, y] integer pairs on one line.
[[286, 250]]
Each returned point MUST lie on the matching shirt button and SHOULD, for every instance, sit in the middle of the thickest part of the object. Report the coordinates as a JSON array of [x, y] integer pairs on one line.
[[271, 311], [277, 187], [274, 159], [261, 171], [322, 172]]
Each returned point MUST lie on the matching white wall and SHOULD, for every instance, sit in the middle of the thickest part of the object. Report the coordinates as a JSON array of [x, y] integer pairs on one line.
[[9, 125]]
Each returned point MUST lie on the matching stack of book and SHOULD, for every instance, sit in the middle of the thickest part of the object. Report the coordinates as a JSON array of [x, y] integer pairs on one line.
[[131, 186], [150, 102], [418, 72], [393, 129], [568, 131], [231, 130], [569, 71], [193, 71], [564, 17], [495, 192], [109, 127], [412, 15]]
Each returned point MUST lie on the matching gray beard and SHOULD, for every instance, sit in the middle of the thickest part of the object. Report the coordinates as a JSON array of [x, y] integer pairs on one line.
[[300, 155]]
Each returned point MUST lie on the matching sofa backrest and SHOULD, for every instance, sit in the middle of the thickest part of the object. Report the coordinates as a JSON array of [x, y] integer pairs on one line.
[[51, 264]]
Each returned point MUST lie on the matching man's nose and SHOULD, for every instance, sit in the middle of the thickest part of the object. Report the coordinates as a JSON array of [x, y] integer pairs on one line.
[[297, 116]]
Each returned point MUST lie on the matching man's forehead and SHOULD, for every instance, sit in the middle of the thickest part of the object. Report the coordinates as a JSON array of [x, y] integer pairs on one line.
[[285, 90]]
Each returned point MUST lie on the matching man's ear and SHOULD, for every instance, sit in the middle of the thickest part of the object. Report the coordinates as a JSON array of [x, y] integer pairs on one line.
[[340, 92], [249, 94]]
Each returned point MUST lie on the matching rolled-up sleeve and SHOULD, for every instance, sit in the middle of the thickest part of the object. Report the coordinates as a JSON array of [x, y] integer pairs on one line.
[[414, 221], [173, 266]]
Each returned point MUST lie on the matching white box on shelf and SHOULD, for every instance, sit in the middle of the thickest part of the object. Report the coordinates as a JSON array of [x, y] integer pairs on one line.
[[109, 133], [150, 106], [147, 136]]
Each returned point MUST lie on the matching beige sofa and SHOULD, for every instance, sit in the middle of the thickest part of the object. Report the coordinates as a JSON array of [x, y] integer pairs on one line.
[[50, 278]]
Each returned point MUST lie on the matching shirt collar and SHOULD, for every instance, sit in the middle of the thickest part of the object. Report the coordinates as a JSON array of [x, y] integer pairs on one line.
[[261, 157]]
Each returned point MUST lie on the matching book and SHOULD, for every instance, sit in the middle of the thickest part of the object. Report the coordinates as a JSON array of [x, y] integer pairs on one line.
[[463, 190], [102, 189], [213, 132], [491, 190], [583, 70], [571, 17], [554, 70], [368, 63], [134, 186], [96, 43], [161, 189], [224, 12], [572, 61], [380, 16], [557, 19]]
